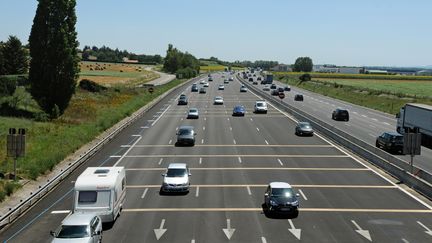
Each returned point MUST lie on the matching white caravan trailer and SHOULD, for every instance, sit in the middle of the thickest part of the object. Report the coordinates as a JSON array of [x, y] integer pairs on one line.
[[101, 190]]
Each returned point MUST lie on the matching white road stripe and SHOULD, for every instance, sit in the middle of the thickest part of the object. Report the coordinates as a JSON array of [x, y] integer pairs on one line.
[[251, 119], [205, 118], [203, 128], [249, 190], [280, 162], [364, 116], [263, 239], [115, 156], [202, 140], [346, 124], [145, 127], [160, 161], [200, 160], [230, 128], [257, 129], [197, 192], [144, 193], [239, 159], [303, 195], [266, 142], [136, 135], [170, 141], [234, 141], [385, 123], [374, 119], [161, 115], [125, 146], [60, 212], [176, 128]]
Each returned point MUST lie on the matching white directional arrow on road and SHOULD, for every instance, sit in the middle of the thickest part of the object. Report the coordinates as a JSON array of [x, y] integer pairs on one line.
[[428, 231], [293, 230], [364, 233], [228, 231], [159, 232]]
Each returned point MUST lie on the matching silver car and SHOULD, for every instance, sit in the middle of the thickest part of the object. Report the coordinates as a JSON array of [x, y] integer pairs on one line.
[[176, 178], [193, 113], [218, 100], [80, 228]]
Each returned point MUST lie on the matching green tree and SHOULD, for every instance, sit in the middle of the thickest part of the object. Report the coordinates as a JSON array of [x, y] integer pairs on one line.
[[15, 57], [2, 71], [303, 64], [53, 51]]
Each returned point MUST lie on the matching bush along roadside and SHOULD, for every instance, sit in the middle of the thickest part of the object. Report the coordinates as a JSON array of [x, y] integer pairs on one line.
[[378, 100], [88, 115]]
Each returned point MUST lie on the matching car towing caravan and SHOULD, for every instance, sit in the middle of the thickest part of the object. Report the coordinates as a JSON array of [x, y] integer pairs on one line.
[[101, 190]]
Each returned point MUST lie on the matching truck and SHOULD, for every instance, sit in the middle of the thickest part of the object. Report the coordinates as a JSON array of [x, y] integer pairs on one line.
[[412, 117], [100, 190], [268, 78]]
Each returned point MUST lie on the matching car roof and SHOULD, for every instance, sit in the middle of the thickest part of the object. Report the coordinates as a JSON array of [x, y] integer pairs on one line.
[[193, 108], [218, 97], [259, 101], [186, 127], [304, 123], [280, 185], [78, 219], [177, 166], [341, 109]]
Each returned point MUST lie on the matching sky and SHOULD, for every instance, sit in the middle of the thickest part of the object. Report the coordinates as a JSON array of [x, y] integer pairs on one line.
[[341, 32]]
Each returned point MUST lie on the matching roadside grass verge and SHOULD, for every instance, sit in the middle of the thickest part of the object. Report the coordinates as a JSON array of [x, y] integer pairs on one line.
[[353, 76], [375, 99], [88, 114]]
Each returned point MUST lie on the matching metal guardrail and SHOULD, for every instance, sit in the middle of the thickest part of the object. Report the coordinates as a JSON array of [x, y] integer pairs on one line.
[[420, 181], [25, 204]]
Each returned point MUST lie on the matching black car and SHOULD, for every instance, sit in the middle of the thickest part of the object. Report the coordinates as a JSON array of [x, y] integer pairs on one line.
[[287, 88], [194, 88], [298, 97], [259, 78], [273, 86], [304, 128], [274, 92], [280, 197], [202, 90], [391, 142], [251, 80], [186, 135], [183, 100], [280, 89], [340, 115]]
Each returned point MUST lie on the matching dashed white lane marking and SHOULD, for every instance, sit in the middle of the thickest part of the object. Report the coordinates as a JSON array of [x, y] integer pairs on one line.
[[193, 241], [239, 159], [230, 128], [160, 161], [176, 128], [249, 190], [125, 146], [202, 140], [181, 119], [346, 124], [200, 160], [263, 239], [145, 127], [144, 193], [266, 142], [197, 192], [234, 141], [227, 119], [364, 116], [405, 241], [205, 118], [355, 112], [251, 119], [386, 123], [203, 128], [115, 156], [257, 129], [280, 162], [60, 212], [374, 119], [160, 115], [303, 195], [170, 141], [136, 135]]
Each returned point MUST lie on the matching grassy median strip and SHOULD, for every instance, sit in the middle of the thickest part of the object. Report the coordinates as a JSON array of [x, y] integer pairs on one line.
[[88, 115]]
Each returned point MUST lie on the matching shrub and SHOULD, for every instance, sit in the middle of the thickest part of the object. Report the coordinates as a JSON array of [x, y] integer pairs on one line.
[[305, 77], [91, 86]]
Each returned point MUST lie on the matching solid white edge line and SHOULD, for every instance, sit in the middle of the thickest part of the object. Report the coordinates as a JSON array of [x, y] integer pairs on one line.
[[358, 161], [160, 115]]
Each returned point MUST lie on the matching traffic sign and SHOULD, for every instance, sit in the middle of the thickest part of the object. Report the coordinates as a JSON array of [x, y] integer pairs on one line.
[[281, 95], [412, 143]]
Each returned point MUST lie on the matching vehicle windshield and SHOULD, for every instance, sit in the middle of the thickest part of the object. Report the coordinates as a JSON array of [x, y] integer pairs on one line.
[[73, 231], [193, 110], [282, 192], [185, 132], [176, 173], [303, 125], [260, 104]]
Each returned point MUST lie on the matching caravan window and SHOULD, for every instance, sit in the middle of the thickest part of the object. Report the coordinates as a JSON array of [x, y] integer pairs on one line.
[[87, 197], [94, 198]]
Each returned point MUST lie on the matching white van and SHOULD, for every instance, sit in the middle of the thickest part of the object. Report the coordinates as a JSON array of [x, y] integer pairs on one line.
[[101, 190]]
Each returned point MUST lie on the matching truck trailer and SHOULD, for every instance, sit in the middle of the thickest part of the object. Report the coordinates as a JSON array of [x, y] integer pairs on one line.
[[414, 117]]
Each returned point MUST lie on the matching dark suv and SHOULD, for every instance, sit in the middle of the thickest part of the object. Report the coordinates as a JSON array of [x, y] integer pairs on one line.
[[391, 142], [340, 115], [280, 197], [186, 136]]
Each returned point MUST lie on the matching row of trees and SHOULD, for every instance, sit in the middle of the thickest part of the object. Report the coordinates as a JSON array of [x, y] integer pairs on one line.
[[13, 57], [185, 65], [107, 54]]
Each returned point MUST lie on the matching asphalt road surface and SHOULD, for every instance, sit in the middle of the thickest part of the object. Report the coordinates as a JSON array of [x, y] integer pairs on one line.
[[365, 124], [341, 198]]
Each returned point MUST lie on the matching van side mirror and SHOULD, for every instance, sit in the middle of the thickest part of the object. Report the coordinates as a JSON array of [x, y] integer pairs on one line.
[[297, 195], [163, 174], [189, 174], [52, 233], [266, 194]]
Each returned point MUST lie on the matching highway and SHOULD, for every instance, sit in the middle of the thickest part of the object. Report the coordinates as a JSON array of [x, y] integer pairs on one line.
[[365, 124], [342, 198]]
